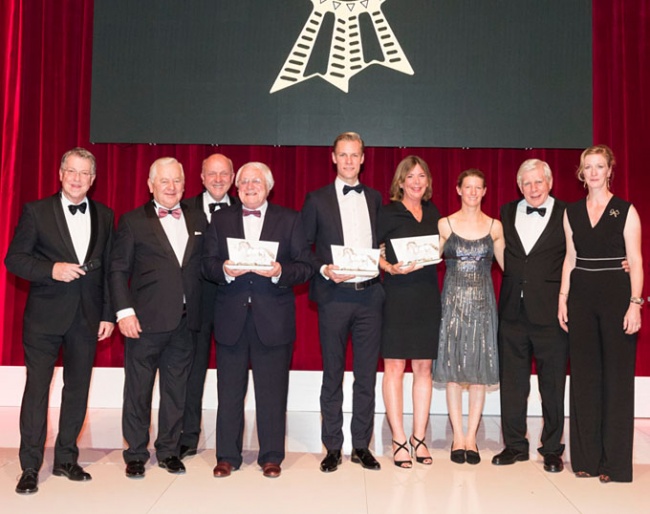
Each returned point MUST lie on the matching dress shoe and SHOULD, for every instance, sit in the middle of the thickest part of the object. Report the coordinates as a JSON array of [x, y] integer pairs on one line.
[[28, 482], [135, 469], [271, 470], [222, 469], [472, 457], [186, 451], [553, 463], [364, 457], [71, 471], [331, 461], [509, 456], [172, 464], [457, 456]]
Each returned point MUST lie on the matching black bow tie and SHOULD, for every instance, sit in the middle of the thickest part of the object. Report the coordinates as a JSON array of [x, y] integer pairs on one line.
[[81, 207], [540, 210], [213, 206], [358, 188]]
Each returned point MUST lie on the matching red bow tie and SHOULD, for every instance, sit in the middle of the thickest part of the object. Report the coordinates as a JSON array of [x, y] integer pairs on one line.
[[257, 214], [176, 213]]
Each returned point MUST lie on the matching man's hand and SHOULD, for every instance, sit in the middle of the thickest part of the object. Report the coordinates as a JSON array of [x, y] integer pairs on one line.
[[233, 272], [105, 330], [66, 271], [330, 272], [130, 327], [275, 271]]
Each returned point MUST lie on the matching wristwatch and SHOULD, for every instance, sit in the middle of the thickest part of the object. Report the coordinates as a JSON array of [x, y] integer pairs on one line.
[[637, 299]]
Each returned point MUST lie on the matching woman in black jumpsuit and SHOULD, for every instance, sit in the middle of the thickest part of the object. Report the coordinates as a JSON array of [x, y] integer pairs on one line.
[[600, 306]]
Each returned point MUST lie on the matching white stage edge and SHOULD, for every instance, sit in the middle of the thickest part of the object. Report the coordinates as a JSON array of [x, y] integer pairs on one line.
[[304, 391]]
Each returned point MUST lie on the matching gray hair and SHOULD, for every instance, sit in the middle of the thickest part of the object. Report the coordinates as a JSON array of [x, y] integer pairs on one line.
[[531, 164], [260, 166], [84, 154], [163, 161]]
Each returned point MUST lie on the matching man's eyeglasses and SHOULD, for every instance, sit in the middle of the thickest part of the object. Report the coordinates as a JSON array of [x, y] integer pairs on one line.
[[83, 173]]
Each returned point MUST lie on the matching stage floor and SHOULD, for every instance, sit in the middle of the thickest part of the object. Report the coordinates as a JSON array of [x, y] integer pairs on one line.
[[444, 487]]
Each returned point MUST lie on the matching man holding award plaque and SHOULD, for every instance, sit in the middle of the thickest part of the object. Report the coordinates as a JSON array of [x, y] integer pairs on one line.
[[340, 220], [255, 252]]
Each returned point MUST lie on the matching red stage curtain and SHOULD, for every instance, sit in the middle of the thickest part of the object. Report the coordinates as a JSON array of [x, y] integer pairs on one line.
[[45, 61]]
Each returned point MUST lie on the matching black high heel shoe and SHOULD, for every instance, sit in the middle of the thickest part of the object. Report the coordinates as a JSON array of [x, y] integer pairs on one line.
[[404, 464], [427, 461]]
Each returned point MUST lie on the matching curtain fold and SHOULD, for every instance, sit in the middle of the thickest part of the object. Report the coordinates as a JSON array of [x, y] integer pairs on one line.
[[45, 69]]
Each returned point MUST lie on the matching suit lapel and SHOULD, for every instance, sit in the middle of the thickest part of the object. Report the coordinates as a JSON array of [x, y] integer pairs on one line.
[[372, 213], [156, 228], [94, 227], [62, 226], [334, 209], [511, 221], [189, 223], [551, 226], [269, 223]]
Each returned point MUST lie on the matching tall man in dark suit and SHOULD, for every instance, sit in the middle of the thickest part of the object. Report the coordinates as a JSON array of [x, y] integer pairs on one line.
[[260, 308], [217, 176], [61, 246], [155, 281], [535, 249], [345, 213]]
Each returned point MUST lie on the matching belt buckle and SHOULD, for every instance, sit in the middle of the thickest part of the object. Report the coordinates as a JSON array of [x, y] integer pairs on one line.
[[360, 286]]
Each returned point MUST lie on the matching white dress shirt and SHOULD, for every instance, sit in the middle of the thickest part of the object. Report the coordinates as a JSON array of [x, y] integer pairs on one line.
[[79, 227], [208, 199], [530, 226]]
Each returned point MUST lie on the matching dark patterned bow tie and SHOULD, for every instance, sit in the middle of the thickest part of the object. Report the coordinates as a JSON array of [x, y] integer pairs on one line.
[[540, 210], [257, 214], [213, 206], [358, 188], [81, 207], [176, 213]]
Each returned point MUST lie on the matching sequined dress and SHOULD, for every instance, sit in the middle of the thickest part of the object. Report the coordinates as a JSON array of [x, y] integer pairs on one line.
[[467, 351]]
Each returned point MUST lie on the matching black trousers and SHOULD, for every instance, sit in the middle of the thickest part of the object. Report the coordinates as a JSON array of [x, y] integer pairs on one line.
[[170, 354], [520, 341], [359, 314], [41, 353], [195, 386], [603, 358], [270, 365]]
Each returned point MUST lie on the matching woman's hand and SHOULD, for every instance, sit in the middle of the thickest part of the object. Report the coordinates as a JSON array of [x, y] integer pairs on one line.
[[563, 313], [632, 319]]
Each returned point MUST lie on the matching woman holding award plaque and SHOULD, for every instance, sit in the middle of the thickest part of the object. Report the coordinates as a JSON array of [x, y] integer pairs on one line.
[[467, 352], [408, 227]]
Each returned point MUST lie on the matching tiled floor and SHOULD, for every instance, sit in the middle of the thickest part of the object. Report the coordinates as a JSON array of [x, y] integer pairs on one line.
[[443, 487]]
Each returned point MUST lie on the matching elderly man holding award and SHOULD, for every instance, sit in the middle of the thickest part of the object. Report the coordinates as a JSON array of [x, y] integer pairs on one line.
[[256, 297]]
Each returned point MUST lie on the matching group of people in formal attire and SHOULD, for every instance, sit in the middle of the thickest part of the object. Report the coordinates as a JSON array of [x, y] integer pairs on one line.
[[167, 279]]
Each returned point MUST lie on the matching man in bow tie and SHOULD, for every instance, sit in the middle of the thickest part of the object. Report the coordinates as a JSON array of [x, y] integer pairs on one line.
[[259, 304], [61, 246], [217, 176], [528, 326], [345, 213], [155, 281]]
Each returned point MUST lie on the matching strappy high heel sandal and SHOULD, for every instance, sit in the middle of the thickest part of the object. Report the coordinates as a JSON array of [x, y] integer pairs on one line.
[[404, 464], [427, 461]]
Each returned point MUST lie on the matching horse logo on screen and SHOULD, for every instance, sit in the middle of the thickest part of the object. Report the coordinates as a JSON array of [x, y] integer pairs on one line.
[[346, 57]]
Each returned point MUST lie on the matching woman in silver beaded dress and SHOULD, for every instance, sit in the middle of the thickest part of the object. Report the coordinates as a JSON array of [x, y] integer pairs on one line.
[[467, 352]]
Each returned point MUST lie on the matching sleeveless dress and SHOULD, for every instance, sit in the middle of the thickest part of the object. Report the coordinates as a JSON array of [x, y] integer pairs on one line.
[[467, 352], [602, 356], [412, 306]]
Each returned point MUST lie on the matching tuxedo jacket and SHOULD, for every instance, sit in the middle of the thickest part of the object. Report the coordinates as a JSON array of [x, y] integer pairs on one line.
[[272, 305], [538, 274], [208, 288], [42, 238], [145, 274], [321, 218]]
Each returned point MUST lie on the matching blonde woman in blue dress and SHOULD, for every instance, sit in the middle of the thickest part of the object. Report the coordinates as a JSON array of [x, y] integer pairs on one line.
[[467, 352]]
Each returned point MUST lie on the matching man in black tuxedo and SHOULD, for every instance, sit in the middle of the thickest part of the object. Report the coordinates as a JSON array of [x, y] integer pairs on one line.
[[217, 176], [155, 281], [345, 213], [61, 246], [259, 305], [535, 249]]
